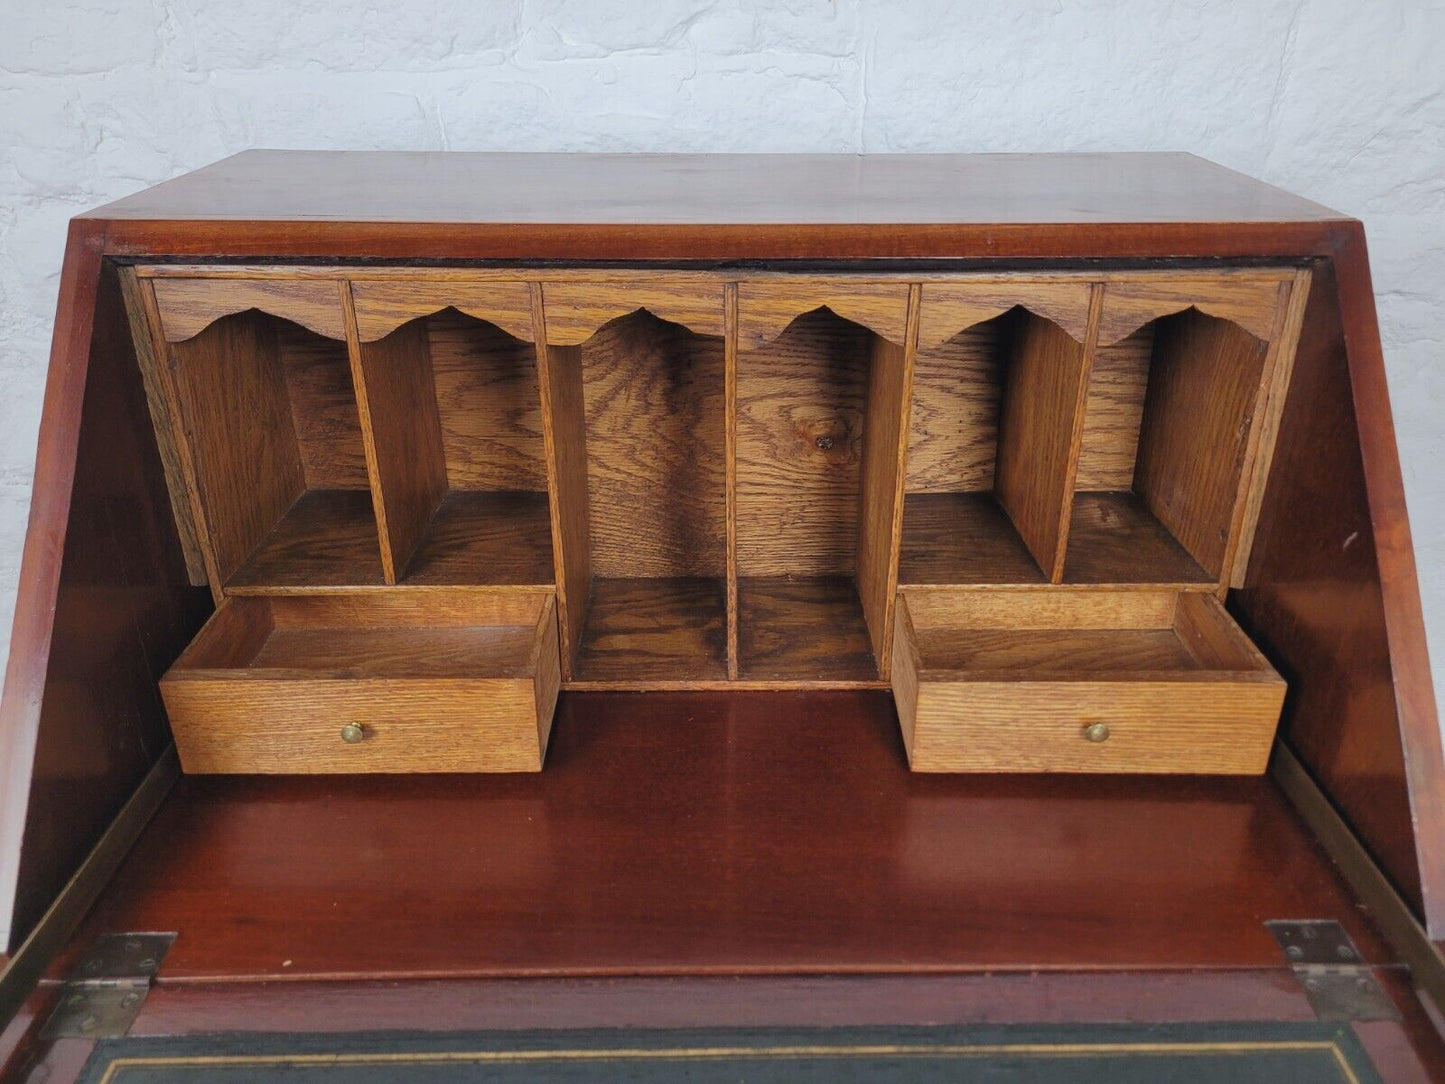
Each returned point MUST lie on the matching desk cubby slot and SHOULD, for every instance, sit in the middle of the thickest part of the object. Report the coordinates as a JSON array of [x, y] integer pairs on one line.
[[275, 443], [377, 681], [990, 452], [819, 420], [1167, 429], [638, 415], [1052, 679], [452, 407]]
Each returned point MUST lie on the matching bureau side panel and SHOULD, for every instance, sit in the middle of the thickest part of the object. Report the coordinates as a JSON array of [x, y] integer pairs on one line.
[[104, 601], [1331, 594]]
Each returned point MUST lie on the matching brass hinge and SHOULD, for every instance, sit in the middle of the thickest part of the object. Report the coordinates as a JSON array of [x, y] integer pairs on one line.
[[1340, 986], [105, 992]]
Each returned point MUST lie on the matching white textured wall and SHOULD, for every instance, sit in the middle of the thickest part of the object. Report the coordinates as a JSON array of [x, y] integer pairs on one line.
[[1338, 100]]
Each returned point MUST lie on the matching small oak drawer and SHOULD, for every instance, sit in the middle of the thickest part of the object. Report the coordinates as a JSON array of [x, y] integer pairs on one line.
[[1066, 680], [462, 680]]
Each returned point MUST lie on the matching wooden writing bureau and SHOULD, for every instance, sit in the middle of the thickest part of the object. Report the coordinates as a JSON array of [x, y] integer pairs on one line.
[[355, 464]]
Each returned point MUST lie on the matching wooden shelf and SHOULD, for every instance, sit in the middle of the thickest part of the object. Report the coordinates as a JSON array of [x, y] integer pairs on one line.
[[326, 539], [744, 469], [650, 632], [1113, 539], [502, 539], [990, 450], [803, 630], [962, 538]]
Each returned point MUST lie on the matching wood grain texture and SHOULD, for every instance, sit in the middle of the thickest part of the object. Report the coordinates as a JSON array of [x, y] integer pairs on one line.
[[954, 305], [231, 386], [564, 441], [326, 539], [150, 355], [801, 407], [962, 538], [812, 630], [188, 306], [1200, 410], [1114, 411], [324, 412], [489, 538], [403, 439], [1012, 682], [719, 834], [489, 403], [450, 698], [1249, 299], [957, 399], [577, 311], [881, 480], [1039, 427], [654, 632], [656, 486], [766, 308], [730, 466], [384, 305], [1113, 538], [1280, 366]]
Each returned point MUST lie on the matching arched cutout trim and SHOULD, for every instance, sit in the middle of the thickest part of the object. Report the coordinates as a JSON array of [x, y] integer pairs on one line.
[[765, 309], [574, 312], [951, 307], [1248, 302], [384, 306], [189, 306]]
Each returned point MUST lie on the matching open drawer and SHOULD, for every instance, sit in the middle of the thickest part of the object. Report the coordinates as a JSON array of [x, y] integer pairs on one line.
[[412, 681], [1065, 680]]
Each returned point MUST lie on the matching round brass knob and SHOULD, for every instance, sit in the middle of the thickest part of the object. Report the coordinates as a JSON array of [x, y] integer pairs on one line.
[[1097, 732], [352, 733]]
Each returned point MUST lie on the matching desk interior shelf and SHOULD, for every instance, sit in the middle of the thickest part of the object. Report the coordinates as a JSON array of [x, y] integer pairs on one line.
[[723, 480]]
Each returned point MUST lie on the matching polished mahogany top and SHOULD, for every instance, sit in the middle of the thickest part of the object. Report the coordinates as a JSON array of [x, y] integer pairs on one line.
[[716, 189]]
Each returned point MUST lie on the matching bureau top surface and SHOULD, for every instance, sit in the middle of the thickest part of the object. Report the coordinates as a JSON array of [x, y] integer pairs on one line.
[[716, 190]]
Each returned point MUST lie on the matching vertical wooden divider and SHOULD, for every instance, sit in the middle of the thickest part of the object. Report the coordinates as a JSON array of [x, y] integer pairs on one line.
[[165, 375], [1040, 430], [167, 428], [884, 469], [1279, 366], [730, 395], [564, 441], [401, 433]]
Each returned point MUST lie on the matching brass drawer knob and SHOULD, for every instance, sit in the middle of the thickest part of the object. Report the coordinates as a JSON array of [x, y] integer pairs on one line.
[[1097, 732], [352, 733]]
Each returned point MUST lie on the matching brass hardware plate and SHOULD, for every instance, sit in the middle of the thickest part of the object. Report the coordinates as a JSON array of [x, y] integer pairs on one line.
[[1339, 985], [1314, 942], [104, 994]]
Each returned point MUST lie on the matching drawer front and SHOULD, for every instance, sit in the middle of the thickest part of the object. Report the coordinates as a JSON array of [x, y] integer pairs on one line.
[[1205, 726], [328, 726]]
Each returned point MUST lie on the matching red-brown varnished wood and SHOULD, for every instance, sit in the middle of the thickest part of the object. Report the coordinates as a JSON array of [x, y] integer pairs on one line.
[[679, 207], [1331, 596], [712, 833], [104, 602], [725, 189]]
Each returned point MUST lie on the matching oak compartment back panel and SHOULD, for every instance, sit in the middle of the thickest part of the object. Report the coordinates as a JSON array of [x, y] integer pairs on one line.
[[725, 480]]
